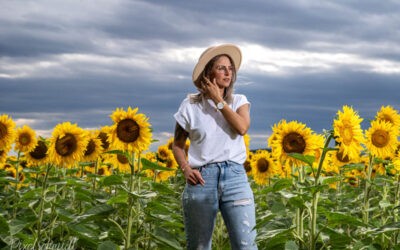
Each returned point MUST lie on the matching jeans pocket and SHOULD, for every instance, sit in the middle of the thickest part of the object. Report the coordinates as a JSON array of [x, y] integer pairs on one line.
[[238, 168]]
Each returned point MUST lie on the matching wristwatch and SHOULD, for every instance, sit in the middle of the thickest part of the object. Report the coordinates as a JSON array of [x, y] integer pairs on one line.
[[221, 105]]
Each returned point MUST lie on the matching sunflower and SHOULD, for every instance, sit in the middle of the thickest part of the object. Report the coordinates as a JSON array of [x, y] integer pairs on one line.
[[247, 164], [330, 165], [276, 128], [353, 177], [378, 169], [88, 169], [25, 139], [319, 140], [165, 175], [6, 166], [263, 166], [330, 169], [104, 170], [7, 131], [11, 171], [338, 159], [396, 166], [151, 156], [293, 137], [246, 139], [93, 149], [164, 153], [131, 131], [118, 162], [104, 135], [348, 133], [38, 156], [381, 139], [285, 169], [67, 144], [4, 153], [389, 114], [170, 142]]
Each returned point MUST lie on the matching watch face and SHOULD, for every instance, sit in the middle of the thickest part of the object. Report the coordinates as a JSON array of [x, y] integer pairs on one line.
[[220, 105]]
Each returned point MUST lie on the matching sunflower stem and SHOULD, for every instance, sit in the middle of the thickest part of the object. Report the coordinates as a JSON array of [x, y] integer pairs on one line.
[[94, 178], [367, 190], [396, 206], [41, 205], [138, 221], [16, 186], [299, 211], [314, 207], [130, 204]]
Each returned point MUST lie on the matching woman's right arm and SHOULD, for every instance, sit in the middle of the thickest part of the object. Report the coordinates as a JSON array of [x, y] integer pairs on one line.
[[192, 176]]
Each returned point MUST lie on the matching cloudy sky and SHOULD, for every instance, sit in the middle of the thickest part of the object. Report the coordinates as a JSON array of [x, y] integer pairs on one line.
[[302, 60]]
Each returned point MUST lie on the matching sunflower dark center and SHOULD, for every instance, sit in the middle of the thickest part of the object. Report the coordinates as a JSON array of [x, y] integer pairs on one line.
[[380, 138], [66, 145], [6, 166], [262, 165], [341, 158], [169, 164], [122, 159], [128, 130], [90, 148], [293, 143], [103, 137], [25, 139], [11, 174], [347, 135], [247, 166], [3, 130], [101, 171], [163, 154], [352, 181], [40, 151], [387, 118]]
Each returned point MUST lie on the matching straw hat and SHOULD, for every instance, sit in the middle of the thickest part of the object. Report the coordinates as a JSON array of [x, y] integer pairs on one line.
[[231, 50]]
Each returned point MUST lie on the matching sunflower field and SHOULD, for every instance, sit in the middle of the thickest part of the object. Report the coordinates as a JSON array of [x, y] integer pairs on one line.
[[104, 189]]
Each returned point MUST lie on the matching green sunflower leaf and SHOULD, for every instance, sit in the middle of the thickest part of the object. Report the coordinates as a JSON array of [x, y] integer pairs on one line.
[[112, 180], [309, 159]]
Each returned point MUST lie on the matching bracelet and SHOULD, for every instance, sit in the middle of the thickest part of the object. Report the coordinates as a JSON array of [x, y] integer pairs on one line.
[[184, 167]]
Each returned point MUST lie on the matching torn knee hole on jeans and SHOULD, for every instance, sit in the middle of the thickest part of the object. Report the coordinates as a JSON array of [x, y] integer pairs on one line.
[[242, 202]]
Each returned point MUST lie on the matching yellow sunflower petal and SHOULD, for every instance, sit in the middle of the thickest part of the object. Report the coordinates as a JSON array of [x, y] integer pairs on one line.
[[67, 144], [381, 139], [25, 139], [293, 137], [389, 114], [131, 131], [348, 133], [263, 167], [38, 155], [7, 131]]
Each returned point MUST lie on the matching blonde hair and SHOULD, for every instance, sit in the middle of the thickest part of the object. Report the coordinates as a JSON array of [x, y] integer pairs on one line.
[[228, 94]]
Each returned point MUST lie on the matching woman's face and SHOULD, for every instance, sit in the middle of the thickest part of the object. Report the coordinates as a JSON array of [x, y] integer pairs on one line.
[[222, 72]]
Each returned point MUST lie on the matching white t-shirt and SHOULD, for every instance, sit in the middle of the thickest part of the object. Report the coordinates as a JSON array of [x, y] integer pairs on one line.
[[211, 137]]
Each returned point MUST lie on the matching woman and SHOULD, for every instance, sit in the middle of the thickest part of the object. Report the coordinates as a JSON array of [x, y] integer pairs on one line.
[[215, 120]]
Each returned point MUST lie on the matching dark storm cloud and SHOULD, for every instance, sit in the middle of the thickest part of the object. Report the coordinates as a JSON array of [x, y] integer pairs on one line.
[[79, 60]]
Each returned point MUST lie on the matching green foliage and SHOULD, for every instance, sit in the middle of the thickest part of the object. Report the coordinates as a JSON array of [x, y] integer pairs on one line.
[[95, 212]]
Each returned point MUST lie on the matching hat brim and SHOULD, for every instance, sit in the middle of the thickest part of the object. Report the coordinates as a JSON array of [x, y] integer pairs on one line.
[[229, 49]]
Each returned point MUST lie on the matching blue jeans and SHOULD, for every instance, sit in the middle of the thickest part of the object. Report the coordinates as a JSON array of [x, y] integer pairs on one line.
[[226, 189]]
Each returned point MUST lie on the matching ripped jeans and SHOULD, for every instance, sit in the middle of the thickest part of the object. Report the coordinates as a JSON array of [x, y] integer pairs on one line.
[[226, 189]]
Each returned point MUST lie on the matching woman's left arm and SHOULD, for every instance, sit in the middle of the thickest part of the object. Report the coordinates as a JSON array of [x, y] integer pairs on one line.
[[239, 120]]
